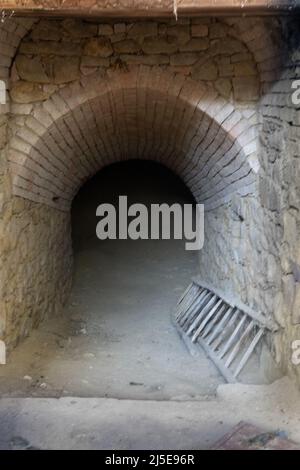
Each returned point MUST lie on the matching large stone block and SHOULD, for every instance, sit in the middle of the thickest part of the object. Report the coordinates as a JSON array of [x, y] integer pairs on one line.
[[208, 71], [224, 87], [79, 29], [245, 69], [184, 58], [32, 69], [180, 32], [128, 46], [105, 29], [47, 31], [199, 30], [160, 45], [217, 30], [98, 47], [142, 29], [246, 88], [65, 48], [27, 92], [195, 44], [227, 46], [65, 69]]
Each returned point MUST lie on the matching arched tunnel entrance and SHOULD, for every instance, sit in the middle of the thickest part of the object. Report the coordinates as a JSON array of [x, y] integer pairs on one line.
[[114, 338], [161, 109], [140, 114]]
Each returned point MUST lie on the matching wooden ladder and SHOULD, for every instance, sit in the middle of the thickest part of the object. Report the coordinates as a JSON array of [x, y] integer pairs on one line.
[[228, 333]]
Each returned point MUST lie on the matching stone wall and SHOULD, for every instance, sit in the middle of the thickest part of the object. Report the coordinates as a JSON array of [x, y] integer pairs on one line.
[[240, 255], [280, 193], [186, 93], [11, 33], [36, 266]]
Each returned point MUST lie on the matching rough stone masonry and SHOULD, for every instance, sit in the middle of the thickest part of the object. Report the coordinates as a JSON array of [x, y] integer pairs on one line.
[[208, 97]]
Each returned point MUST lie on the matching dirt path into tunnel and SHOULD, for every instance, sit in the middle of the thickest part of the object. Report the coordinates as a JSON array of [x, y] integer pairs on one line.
[[115, 338]]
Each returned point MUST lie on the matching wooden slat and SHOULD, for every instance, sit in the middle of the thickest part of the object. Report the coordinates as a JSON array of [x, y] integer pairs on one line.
[[219, 364], [192, 293], [225, 332], [186, 292], [248, 352], [184, 305], [220, 326], [193, 309], [206, 320], [214, 320], [203, 298], [202, 312], [230, 341], [238, 345]]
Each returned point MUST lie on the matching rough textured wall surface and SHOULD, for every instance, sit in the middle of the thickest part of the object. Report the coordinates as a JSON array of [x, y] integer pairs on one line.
[[240, 254], [280, 192], [37, 266], [11, 33], [187, 93]]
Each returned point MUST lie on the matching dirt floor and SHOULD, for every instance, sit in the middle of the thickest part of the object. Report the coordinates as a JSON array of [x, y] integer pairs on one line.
[[115, 338], [99, 423]]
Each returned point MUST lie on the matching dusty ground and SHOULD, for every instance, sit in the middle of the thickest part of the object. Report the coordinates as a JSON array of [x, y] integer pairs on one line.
[[97, 423], [115, 338]]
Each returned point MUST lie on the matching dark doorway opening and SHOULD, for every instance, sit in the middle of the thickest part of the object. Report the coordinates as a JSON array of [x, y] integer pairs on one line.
[[127, 289]]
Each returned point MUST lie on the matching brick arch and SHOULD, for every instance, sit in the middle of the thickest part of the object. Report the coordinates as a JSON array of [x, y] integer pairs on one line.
[[263, 38], [141, 113]]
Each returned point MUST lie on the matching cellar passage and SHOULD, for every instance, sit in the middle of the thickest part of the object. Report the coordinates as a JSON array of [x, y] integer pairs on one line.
[[115, 337], [208, 97]]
